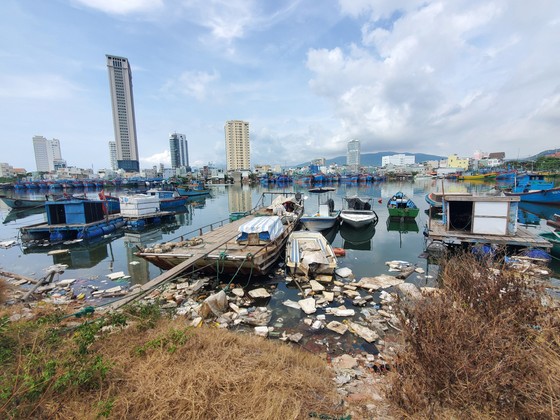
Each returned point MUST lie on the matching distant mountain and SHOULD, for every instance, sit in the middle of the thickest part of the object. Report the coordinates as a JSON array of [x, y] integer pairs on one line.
[[374, 159], [541, 154]]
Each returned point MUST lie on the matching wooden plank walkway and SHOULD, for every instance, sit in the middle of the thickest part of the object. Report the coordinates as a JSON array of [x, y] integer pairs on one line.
[[212, 241], [523, 238]]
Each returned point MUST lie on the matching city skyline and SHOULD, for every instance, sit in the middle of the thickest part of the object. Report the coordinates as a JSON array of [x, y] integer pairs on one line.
[[418, 77]]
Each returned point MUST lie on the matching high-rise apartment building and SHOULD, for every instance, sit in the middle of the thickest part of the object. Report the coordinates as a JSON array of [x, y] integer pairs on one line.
[[238, 151], [178, 149], [113, 155], [353, 155], [48, 156], [124, 121]]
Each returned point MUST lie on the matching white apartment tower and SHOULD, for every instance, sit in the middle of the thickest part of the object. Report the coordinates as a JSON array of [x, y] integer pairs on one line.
[[178, 149], [124, 121], [238, 151], [47, 154], [113, 155], [353, 155]]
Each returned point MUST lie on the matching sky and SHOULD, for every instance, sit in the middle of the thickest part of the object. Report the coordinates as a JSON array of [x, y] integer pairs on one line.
[[437, 77]]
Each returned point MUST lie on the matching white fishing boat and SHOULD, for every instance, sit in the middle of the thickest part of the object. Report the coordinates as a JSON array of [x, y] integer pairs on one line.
[[359, 212], [325, 217], [309, 254]]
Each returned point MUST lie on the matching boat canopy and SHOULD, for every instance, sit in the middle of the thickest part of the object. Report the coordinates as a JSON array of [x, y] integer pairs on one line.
[[267, 227], [358, 203]]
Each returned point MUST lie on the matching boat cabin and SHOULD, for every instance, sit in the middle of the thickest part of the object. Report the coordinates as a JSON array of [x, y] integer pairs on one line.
[[481, 215]]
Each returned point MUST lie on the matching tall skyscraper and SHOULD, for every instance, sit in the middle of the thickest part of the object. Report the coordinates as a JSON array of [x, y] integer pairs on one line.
[[48, 156], [124, 121], [113, 155], [238, 151], [178, 148], [353, 155]]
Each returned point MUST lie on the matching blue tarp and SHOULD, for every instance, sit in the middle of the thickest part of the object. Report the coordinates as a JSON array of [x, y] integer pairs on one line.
[[268, 228]]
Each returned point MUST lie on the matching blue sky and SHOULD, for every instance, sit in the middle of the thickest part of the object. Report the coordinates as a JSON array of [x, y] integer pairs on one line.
[[418, 76]]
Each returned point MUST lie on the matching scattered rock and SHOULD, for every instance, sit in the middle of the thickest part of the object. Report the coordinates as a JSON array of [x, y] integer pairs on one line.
[[307, 305]]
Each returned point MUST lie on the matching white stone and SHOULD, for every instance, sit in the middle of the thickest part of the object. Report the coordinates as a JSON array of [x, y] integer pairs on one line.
[[379, 282], [343, 272], [239, 292], [337, 327], [261, 330], [410, 291], [419, 270], [316, 325], [342, 311], [329, 296], [363, 332], [66, 282], [307, 305], [291, 304], [114, 276], [316, 286], [259, 293]]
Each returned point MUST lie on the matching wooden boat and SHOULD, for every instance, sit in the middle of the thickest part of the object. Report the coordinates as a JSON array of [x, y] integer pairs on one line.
[[554, 239], [22, 203], [554, 222], [244, 246], [359, 213], [309, 254], [435, 199], [193, 190], [399, 205], [326, 216], [550, 196]]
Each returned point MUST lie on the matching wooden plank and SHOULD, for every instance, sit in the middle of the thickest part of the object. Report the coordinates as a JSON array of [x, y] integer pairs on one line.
[[224, 232]]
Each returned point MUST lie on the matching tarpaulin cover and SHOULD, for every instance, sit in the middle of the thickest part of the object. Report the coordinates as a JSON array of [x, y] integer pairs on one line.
[[268, 227]]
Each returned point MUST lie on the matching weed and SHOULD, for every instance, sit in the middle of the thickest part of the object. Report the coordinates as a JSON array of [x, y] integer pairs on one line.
[[104, 408]]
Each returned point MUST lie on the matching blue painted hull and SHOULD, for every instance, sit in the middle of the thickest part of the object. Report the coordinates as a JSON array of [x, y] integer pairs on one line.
[[551, 196]]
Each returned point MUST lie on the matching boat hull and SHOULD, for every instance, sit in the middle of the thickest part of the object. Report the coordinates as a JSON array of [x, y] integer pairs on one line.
[[358, 218], [318, 223], [551, 196], [554, 239], [21, 203], [407, 213]]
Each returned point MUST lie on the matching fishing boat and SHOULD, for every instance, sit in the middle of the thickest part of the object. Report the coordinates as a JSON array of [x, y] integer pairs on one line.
[[22, 203], [550, 196], [325, 217], [554, 221], [168, 199], [359, 212], [531, 182], [399, 205], [471, 177], [554, 238], [247, 246], [309, 254], [192, 190]]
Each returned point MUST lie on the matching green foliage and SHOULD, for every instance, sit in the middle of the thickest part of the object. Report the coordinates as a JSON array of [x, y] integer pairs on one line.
[[147, 315], [38, 360], [104, 408], [169, 342]]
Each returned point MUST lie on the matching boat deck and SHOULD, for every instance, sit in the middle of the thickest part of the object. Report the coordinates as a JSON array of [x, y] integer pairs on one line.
[[523, 238], [150, 215]]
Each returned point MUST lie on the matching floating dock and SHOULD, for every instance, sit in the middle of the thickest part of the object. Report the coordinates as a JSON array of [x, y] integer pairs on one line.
[[155, 218], [523, 237]]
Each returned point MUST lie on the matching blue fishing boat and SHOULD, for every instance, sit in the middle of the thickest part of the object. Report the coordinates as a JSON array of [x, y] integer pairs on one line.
[[193, 190], [550, 196], [531, 182], [168, 200]]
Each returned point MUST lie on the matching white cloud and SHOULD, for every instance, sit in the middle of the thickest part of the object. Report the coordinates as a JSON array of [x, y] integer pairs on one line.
[[155, 159], [452, 73], [122, 7], [193, 83]]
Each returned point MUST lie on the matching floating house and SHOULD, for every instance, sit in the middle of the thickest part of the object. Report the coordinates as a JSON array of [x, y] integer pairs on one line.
[[72, 219], [481, 219]]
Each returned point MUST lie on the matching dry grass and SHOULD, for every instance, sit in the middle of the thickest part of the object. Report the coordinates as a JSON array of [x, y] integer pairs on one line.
[[4, 288], [171, 371], [485, 347]]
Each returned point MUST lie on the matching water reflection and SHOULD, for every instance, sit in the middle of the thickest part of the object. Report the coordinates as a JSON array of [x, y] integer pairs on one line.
[[403, 226], [357, 238], [240, 198]]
